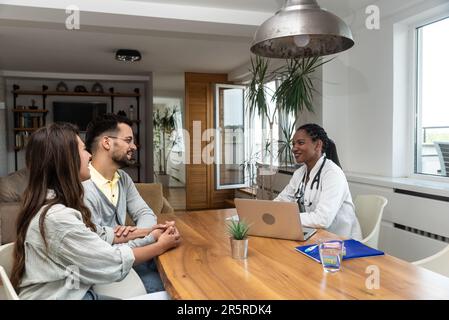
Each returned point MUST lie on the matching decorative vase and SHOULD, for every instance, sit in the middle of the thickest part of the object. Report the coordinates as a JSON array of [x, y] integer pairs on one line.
[[62, 87], [97, 88], [239, 248]]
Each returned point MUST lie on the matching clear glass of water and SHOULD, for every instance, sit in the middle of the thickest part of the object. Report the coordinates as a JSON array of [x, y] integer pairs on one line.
[[331, 254]]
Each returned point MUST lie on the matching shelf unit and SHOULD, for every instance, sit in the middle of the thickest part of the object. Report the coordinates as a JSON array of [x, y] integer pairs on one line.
[[22, 128], [43, 111]]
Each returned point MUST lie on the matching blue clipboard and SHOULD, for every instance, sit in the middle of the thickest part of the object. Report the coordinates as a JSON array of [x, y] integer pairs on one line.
[[354, 249]]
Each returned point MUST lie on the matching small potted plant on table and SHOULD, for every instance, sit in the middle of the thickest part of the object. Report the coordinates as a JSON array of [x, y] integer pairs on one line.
[[239, 241]]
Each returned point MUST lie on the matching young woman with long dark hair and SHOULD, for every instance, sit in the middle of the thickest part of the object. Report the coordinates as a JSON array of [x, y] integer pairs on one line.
[[58, 254]]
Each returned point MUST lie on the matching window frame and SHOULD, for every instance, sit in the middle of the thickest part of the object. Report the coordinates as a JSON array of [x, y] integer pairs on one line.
[[217, 142], [415, 47]]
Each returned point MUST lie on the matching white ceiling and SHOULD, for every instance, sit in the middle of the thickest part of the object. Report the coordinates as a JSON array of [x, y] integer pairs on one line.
[[197, 37], [340, 7], [253, 5]]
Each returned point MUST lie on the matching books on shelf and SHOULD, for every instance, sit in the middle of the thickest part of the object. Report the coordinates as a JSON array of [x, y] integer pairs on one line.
[[29, 120], [22, 139]]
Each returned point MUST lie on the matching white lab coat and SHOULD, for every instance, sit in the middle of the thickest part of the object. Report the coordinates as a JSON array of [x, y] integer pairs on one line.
[[330, 205]]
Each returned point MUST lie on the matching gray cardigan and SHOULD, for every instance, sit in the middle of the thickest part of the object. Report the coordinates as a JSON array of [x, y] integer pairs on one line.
[[75, 260], [106, 216]]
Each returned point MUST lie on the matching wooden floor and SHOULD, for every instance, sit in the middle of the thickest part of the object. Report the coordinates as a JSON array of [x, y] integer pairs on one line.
[[176, 197]]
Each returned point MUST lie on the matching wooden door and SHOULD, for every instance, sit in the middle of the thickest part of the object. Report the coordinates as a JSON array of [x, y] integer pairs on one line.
[[199, 106]]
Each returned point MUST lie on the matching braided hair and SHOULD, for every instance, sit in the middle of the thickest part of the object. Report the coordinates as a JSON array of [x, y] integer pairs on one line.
[[316, 132]]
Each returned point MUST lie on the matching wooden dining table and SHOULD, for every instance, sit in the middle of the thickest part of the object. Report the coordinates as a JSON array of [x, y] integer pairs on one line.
[[202, 268]]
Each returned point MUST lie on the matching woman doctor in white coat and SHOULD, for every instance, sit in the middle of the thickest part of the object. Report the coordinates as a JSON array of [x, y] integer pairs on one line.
[[320, 186]]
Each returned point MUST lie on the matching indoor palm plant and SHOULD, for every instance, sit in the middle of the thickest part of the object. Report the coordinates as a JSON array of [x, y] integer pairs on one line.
[[293, 95], [285, 144], [164, 125], [238, 231]]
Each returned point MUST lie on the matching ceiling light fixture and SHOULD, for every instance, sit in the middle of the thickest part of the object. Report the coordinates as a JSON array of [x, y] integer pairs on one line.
[[128, 55], [301, 29]]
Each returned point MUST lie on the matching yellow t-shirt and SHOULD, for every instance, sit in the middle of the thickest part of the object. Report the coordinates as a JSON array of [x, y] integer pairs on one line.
[[108, 187]]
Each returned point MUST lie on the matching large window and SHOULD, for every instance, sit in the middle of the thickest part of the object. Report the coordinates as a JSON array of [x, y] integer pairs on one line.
[[260, 137], [244, 140], [432, 108], [230, 142]]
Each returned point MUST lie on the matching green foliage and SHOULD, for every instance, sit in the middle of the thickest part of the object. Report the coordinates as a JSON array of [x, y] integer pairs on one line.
[[256, 93], [164, 124], [295, 93], [285, 152], [238, 229]]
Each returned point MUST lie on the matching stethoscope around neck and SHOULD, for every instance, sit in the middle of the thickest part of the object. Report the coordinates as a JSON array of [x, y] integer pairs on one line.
[[299, 194]]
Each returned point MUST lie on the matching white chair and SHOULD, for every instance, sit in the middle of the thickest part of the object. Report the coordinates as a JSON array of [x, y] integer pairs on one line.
[[443, 154], [7, 291], [369, 210], [439, 262], [6, 252], [130, 286]]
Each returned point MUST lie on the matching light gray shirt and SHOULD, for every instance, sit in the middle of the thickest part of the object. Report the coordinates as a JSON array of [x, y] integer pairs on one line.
[[106, 216], [76, 259]]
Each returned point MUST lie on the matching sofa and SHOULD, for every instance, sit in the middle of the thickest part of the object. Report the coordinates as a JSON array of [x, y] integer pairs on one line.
[[11, 190], [13, 186]]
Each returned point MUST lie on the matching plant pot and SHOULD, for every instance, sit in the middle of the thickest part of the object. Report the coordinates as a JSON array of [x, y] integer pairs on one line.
[[239, 248], [163, 179]]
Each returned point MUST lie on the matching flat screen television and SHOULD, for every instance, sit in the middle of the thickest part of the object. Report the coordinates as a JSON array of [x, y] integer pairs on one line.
[[79, 113]]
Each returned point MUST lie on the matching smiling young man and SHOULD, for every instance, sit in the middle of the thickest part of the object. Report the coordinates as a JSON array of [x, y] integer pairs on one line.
[[110, 193]]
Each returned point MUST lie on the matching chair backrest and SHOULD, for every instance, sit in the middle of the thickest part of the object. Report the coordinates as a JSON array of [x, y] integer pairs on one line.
[[439, 262], [443, 154], [130, 286], [7, 291], [6, 257], [369, 210]]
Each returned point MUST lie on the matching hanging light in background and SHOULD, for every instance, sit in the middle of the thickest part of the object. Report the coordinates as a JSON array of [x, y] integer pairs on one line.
[[301, 29], [128, 55]]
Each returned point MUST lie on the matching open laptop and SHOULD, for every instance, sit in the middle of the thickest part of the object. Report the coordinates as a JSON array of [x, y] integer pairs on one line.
[[273, 219]]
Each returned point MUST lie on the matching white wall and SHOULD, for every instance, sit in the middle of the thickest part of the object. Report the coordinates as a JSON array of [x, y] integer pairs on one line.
[[359, 97]]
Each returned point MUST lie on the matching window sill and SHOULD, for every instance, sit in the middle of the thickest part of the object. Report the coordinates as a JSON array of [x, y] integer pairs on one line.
[[280, 169], [410, 184], [249, 191]]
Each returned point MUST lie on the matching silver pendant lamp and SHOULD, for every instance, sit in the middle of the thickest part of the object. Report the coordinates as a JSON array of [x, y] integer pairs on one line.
[[301, 29]]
